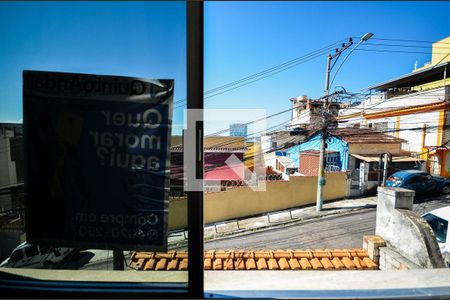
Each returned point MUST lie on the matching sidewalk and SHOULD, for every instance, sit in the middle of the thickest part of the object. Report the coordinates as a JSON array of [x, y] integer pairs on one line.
[[277, 219]]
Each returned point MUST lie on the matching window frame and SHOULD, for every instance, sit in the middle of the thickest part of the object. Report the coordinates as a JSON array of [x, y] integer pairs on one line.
[[20, 286]]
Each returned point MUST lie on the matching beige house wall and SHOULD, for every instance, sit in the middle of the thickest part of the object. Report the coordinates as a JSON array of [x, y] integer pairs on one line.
[[394, 148], [243, 201], [177, 213]]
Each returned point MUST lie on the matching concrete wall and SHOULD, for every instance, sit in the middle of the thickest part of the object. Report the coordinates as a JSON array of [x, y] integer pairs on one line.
[[392, 260], [403, 230], [242, 201], [7, 167], [5, 202], [177, 213], [386, 258], [270, 160], [437, 55], [374, 148], [407, 129], [409, 132]]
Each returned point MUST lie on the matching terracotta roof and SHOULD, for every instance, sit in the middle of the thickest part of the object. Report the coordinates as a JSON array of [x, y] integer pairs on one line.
[[337, 259], [214, 143], [364, 135], [225, 173], [269, 170]]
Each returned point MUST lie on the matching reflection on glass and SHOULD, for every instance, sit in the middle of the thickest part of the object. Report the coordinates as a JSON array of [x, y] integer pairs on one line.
[[142, 40]]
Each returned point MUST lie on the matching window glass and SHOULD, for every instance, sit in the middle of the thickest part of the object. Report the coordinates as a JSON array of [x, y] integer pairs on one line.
[[16, 256], [138, 40], [326, 114], [415, 179], [423, 178], [439, 227], [31, 250], [45, 249]]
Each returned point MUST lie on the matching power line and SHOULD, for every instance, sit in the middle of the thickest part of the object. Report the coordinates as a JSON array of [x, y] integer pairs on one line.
[[396, 51], [406, 46], [272, 128], [294, 138], [284, 66], [294, 107], [408, 41], [404, 96], [389, 131], [257, 79], [313, 132], [294, 62]]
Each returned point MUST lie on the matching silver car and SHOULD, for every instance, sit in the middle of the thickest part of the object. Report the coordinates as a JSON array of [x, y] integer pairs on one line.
[[29, 255]]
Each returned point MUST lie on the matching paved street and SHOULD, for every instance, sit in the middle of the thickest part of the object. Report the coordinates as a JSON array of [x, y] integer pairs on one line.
[[337, 231]]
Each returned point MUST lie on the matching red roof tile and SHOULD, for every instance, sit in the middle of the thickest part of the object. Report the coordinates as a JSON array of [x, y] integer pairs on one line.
[[364, 135], [336, 259], [226, 173]]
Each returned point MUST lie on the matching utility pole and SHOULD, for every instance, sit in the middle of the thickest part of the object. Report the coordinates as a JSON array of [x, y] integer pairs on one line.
[[322, 163]]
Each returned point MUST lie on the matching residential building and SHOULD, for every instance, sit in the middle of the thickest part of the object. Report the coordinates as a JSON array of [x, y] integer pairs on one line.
[[253, 156], [282, 139], [347, 149], [238, 130], [309, 162], [307, 113], [413, 107], [11, 187], [11, 154], [342, 143], [217, 150]]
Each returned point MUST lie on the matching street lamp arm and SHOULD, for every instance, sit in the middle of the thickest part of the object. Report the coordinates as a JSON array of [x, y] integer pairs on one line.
[[343, 61], [363, 39]]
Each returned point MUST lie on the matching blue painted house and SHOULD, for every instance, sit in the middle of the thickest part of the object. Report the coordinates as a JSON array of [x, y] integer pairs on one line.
[[345, 148]]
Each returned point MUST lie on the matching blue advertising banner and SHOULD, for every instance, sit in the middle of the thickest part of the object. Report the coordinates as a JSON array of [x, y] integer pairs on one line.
[[97, 160]]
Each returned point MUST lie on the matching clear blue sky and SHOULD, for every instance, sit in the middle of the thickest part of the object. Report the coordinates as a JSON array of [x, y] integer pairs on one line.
[[241, 38]]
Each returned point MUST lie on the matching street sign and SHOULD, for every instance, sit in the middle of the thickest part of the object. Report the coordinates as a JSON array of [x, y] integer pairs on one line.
[[97, 160]]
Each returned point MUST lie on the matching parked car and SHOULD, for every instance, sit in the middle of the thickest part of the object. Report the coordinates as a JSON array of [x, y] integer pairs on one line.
[[29, 255], [419, 181], [438, 220]]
